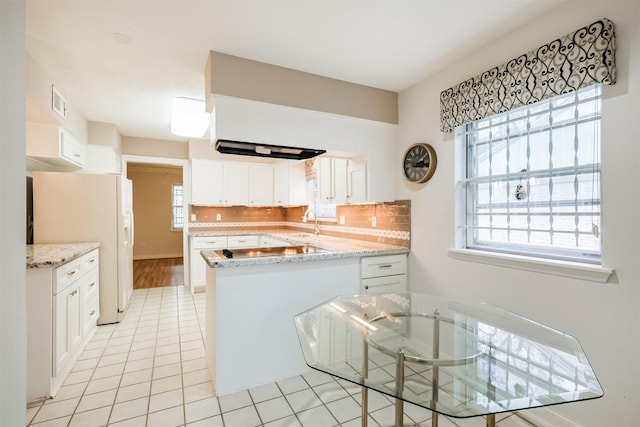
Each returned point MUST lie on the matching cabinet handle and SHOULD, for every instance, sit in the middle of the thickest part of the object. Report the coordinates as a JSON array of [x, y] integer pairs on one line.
[[92, 313], [74, 293], [385, 266], [366, 288], [92, 284], [92, 260], [71, 273]]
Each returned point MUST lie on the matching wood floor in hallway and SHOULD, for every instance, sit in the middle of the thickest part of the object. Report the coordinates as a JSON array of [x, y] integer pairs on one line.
[[157, 273]]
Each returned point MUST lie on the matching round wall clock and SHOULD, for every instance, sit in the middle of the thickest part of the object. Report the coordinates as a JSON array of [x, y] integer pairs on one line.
[[419, 163]]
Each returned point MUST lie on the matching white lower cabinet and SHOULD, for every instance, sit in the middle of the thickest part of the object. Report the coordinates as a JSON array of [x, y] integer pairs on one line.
[[381, 274], [197, 264], [62, 311]]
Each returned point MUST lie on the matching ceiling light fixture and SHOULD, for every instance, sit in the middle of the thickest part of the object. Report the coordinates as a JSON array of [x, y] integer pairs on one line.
[[189, 118]]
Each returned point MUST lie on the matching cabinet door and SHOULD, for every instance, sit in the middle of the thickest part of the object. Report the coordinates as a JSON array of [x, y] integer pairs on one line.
[[71, 148], [356, 182], [261, 185], [325, 180], [198, 269], [281, 184], [206, 182], [236, 184], [333, 180], [340, 181], [75, 321], [67, 328], [61, 341], [289, 184]]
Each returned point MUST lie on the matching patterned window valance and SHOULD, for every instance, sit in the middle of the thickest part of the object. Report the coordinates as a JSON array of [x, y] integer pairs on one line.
[[577, 60]]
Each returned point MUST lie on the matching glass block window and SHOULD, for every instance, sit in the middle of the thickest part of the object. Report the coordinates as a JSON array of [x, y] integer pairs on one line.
[[532, 180], [177, 221]]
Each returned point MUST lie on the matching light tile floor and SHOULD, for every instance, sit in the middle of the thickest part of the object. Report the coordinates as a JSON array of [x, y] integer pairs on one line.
[[150, 370]]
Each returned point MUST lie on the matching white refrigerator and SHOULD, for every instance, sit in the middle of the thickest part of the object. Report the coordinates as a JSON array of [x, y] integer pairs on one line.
[[76, 207]]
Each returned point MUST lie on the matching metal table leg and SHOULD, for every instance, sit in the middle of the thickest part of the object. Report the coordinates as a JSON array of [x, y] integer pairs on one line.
[[399, 388]]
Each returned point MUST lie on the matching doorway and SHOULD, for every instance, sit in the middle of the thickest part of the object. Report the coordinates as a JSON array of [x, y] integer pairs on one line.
[[160, 226]]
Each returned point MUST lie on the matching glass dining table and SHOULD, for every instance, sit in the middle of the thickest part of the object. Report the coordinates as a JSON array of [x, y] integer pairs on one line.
[[457, 358]]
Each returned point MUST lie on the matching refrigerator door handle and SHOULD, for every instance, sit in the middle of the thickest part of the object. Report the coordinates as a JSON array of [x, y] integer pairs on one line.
[[131, 228]]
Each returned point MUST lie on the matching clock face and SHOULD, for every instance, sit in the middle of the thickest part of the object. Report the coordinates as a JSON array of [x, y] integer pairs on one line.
[[419, 163]]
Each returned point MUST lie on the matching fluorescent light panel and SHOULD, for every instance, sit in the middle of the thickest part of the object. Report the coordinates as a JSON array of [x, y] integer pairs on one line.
[[189, 118]]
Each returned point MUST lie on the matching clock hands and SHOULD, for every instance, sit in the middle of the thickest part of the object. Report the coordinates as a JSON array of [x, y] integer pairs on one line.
[[422, 163]]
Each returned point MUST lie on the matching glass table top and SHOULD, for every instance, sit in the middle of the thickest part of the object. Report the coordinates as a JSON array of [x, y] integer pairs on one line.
[[457, 358]]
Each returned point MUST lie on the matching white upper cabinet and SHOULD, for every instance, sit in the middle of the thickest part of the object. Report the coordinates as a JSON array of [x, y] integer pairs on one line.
[[289, 184], [206, 182], [235, 184], [261, 185], [55, 146], [220, 183], [332, 180], [342, 181], [356, 181]]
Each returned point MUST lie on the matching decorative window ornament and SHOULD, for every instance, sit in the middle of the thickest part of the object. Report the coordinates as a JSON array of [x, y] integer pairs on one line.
[[310, 171], [521, 190], [569, 63]]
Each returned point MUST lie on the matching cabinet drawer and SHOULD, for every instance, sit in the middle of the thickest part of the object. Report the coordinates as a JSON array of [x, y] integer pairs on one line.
[[386, 265], [89, 261], [67, 274], [270, 242], [209, 242], [386, 284], [90, 314], [90, 287], [244, 241]]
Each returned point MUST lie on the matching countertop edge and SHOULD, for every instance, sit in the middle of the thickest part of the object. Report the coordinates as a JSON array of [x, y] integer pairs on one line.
[[43, 255], [214, 261]]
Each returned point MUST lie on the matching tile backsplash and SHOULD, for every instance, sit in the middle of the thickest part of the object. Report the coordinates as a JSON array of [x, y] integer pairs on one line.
[[383, 222]]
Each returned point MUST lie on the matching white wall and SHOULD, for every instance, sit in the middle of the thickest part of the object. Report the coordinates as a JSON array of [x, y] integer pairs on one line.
[[604, 317], [244, 120], [13, 341]]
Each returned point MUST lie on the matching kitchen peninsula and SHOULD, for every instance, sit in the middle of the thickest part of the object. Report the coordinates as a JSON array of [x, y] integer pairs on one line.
[[250, 335]]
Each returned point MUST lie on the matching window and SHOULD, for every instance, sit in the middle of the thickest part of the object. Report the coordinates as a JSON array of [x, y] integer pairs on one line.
[[532, 181], [177, 221]]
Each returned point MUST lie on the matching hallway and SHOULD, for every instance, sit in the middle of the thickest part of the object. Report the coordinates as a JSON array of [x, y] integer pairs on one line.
[[157, 273]]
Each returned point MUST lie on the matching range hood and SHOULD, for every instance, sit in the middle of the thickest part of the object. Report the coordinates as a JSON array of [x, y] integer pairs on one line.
[[243, 148]]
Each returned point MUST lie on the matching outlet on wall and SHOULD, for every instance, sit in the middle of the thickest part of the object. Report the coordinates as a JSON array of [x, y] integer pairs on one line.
[[193, 217], [218, 217], [374, 221], [341, 219]]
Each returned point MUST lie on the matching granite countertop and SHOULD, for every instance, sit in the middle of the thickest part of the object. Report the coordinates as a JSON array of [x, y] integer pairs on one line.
[[338, 248], [55, 254]]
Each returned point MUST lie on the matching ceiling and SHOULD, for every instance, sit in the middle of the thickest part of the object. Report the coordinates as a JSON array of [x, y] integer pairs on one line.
[[123, 62]]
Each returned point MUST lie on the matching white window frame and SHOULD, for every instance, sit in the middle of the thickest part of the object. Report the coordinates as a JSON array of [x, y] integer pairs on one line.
[[547, 261], [175, 207]]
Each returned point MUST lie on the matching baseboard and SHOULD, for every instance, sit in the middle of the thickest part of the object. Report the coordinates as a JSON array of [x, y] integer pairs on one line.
[[545, 417], [157, 256]]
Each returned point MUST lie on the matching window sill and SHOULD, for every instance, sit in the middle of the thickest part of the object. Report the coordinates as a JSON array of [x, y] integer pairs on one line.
[[593, 273]]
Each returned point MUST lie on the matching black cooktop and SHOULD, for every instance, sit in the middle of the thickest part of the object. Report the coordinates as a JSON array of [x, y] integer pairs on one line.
[[269, 251]]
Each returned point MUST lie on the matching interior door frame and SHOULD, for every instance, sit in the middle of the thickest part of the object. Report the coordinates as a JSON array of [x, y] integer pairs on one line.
[[186, 197]]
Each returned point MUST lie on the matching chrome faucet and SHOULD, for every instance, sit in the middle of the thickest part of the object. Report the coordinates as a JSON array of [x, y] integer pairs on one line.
[[306, 217]]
